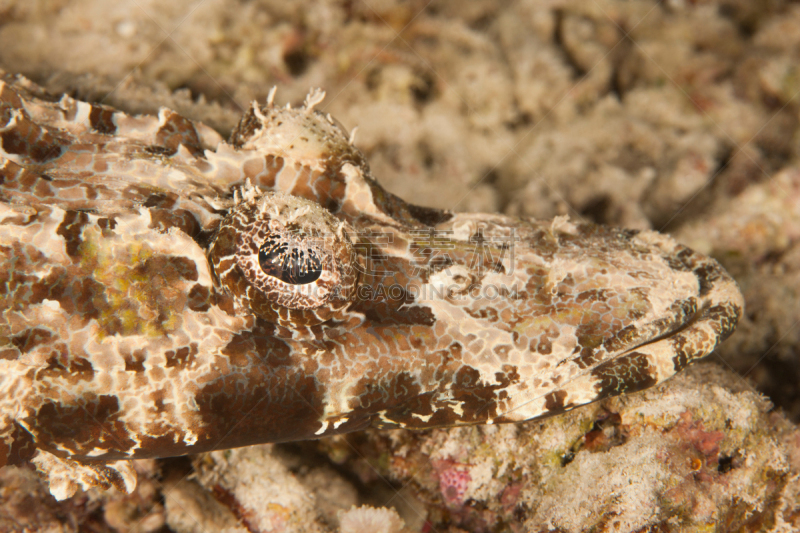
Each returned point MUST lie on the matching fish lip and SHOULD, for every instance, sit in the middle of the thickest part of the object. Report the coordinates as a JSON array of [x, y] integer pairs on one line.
[[672, 332]]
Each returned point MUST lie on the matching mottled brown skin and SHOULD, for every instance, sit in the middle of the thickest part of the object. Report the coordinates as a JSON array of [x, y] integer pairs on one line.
[[135, 320]]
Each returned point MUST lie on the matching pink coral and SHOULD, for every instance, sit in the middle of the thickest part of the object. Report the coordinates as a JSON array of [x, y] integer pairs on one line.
[[693, 433], [453, 480]]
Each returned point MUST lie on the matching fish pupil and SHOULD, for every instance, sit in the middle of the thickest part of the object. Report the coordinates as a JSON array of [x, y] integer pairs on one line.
[[289, 262]]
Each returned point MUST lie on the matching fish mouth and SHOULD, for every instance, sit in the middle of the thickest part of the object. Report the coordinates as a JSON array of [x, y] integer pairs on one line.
[[642, 356]]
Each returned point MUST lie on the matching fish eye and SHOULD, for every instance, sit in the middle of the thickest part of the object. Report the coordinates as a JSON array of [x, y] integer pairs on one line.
[[284, 258]]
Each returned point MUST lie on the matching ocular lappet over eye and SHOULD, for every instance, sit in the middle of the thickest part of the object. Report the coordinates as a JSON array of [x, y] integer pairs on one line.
[[283, 257], [294, 263]]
